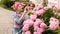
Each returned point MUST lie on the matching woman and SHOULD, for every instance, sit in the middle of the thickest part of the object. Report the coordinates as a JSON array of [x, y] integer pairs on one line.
[[19, 17]]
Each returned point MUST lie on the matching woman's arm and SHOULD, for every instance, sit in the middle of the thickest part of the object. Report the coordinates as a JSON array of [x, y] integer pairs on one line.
[[24, 14]]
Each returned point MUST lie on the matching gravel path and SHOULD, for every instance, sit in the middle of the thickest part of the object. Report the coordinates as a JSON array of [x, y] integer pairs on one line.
[[6, 21]]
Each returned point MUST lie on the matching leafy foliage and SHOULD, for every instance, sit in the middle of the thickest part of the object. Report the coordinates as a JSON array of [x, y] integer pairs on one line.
[[47, 15], [32, 29]]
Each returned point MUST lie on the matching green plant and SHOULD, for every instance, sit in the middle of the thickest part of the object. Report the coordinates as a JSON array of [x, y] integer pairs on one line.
[[8, 3], [46, 17], [4, 1]]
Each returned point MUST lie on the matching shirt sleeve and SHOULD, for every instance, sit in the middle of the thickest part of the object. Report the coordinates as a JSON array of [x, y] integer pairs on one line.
[[16, 19]]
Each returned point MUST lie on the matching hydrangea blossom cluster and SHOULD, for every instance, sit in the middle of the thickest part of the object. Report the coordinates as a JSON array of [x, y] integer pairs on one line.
[[38, 25], [38, 8], [54, 23]]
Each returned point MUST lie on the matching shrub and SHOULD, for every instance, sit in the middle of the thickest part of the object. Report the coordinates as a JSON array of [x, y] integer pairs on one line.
[[7, 3]]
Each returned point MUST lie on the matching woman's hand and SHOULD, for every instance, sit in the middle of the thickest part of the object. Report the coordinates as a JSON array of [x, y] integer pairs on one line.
[[26, 11], [23, 15]]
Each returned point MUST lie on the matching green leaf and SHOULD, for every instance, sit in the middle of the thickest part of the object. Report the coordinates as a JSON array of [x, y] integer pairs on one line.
[[47, 15], [31, 29]]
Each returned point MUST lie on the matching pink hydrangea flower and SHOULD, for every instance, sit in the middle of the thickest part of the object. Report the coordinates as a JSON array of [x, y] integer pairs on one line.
[[37, 22], [40, 30], [53, 27], [52, 6], [26, 22], [58, 8], [53, 20], [35, 33], [33, 17], [43, 25], [27, 32], [36, 13], [38, 8], [40, 12], [35, 28], [26, 27], [54, 23], [29, 22], [35, 9]]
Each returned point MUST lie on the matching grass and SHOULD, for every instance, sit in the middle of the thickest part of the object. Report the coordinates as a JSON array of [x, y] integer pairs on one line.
[[2, 5]]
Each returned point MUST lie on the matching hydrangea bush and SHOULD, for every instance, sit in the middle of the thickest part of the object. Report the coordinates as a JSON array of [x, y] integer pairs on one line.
[[43, 20]]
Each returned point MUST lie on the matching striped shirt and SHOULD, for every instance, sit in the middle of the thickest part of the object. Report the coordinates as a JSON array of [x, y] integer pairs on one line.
[[18, 23]]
